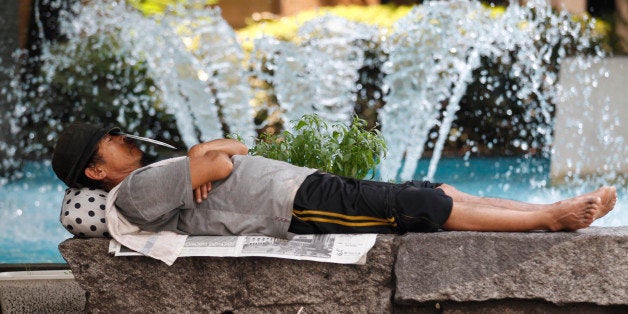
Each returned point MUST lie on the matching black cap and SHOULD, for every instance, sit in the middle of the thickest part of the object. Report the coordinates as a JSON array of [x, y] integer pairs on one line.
[[74, 148]]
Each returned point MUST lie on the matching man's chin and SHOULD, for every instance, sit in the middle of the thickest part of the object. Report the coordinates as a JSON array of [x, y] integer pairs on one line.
[[148, 159]]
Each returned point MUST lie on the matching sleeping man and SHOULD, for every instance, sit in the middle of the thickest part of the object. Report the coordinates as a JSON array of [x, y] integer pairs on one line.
[[217, 189]]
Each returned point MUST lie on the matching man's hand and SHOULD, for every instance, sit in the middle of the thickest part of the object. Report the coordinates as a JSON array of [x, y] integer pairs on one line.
[[211, 161], [201, 192]]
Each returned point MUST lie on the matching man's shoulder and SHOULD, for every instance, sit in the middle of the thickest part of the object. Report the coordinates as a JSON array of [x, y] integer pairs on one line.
[[148, 184], [166, 166], [258, 165], [167, 161]]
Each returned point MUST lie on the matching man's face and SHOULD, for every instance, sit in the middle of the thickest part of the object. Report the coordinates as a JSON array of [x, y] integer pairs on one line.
[[120, 156]]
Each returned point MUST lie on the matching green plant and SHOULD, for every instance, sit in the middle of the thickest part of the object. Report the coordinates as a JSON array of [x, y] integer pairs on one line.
[[351, 151]]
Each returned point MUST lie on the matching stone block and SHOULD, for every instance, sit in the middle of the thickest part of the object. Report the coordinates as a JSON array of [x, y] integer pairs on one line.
[[588, 267], [445, 272], [41, 296], [591, 124], [245, 284]]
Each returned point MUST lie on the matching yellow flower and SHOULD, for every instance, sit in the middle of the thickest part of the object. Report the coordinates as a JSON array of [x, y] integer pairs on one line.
[[153, 7], [286, 28]]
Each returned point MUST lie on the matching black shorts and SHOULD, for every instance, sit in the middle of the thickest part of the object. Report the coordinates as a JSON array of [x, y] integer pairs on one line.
[[327, 203]]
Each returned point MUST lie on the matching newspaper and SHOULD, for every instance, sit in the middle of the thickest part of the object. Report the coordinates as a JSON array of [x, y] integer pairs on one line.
[[330, 248]]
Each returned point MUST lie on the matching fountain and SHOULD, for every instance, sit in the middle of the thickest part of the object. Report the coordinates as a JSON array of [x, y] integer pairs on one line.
[[438, 46], [185, 77], [334, 49]]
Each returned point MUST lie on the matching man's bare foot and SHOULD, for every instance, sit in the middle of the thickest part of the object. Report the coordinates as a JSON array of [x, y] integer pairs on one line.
[[574, 213], [609, 198], [608, 195]]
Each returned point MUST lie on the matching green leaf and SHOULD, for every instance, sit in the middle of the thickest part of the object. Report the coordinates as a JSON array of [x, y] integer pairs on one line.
[[351, 151]]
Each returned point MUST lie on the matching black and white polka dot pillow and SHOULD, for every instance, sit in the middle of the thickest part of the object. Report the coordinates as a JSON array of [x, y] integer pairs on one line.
[[83, 212]]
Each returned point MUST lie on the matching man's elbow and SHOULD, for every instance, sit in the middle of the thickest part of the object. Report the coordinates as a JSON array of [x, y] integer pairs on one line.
[[226, 168], [242, 149], [221, 164]]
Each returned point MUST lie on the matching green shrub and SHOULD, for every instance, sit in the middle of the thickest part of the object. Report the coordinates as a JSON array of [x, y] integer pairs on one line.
[[351, 151]]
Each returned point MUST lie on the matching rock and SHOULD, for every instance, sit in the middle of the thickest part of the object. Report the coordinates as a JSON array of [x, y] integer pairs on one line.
[[621, 26], [41, 296], [245, 284], [577, 151], [588, 266], [577, 272]]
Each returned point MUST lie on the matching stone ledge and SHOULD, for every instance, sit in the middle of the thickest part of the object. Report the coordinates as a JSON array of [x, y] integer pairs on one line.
[[437, 272], [587, 266], [41, 296], [251, 284]]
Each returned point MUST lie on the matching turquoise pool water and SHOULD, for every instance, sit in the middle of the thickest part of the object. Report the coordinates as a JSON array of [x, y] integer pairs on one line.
[[29, 208]]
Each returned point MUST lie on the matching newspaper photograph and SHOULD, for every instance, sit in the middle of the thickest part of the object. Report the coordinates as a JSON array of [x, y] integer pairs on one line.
[[330, 248]]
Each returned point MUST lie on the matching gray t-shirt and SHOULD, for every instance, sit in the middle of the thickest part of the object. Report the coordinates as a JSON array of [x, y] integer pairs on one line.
[[256, 198]]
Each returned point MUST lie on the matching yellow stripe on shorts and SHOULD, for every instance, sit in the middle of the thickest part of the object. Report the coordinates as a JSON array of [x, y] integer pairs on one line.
[[344, 220]]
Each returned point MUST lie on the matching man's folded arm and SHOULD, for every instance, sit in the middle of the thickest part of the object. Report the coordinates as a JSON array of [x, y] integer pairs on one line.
[[212, 166], [228, 146], [207, 163]]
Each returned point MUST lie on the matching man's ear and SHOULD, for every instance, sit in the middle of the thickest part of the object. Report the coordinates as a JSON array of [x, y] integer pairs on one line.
[[95, 173]]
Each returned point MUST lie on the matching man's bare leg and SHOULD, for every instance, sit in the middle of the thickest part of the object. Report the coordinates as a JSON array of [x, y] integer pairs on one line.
[[608, 196], [571, 214]]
